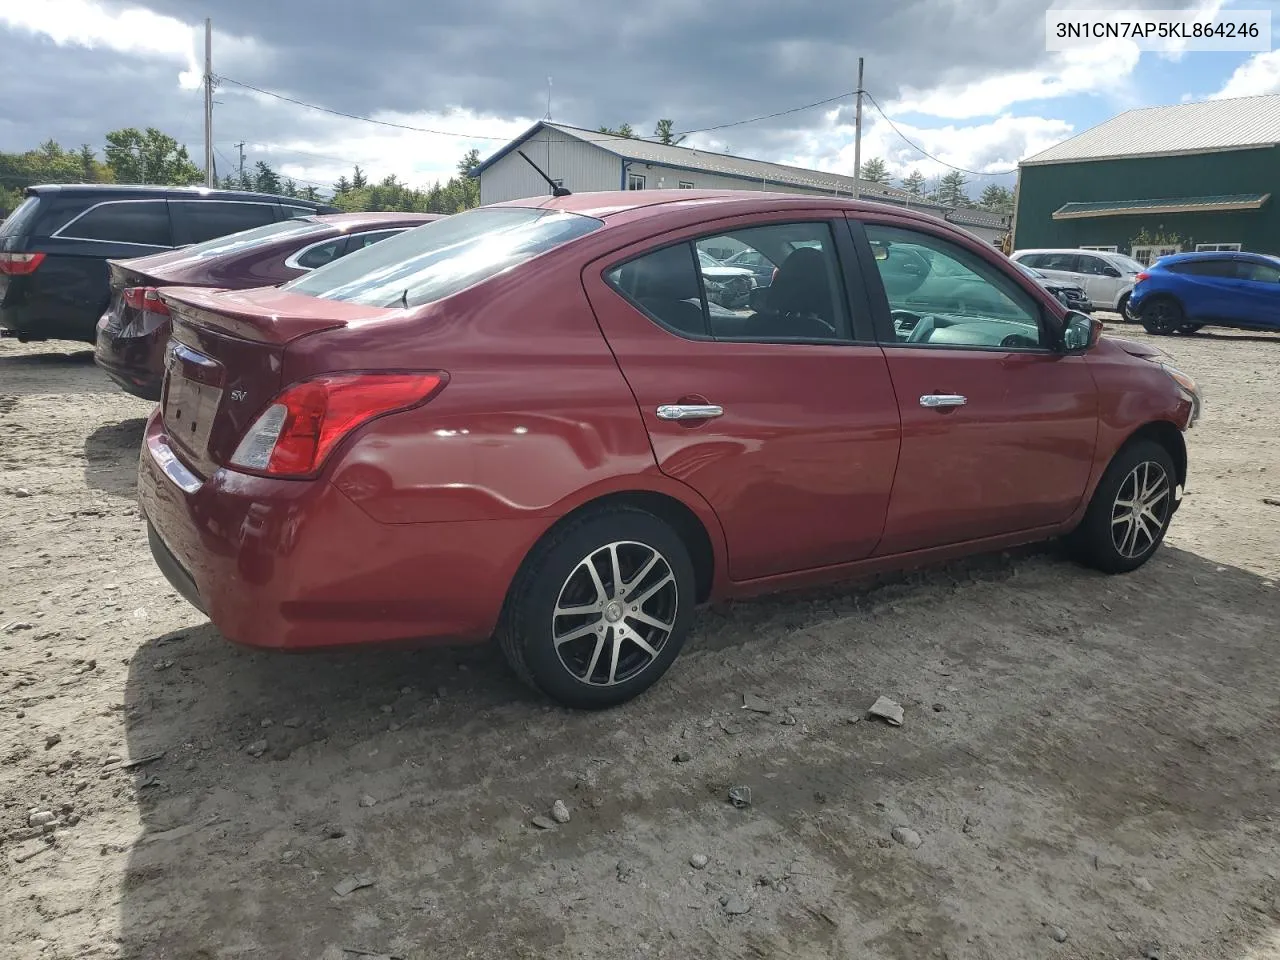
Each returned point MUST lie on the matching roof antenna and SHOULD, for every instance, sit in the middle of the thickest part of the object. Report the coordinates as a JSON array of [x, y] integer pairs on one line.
[[556, 191]]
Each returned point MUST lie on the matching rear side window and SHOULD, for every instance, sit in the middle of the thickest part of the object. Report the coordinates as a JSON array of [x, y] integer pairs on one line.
[[362, 240], [1067, 262], [195, 221], [1205, 268], [245, 239], [319, 255], [21, 218], [142, 222], [441, 258]]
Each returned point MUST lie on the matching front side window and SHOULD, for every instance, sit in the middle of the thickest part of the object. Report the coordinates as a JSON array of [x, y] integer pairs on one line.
[[440, 258], [1258, 272], [689, 290], [142, 222], [1094, 266], [941, 294]]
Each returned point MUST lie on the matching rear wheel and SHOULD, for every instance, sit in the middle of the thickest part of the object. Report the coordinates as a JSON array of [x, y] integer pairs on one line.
[[1162, 316], [1130, 511], [601, 609], [1123, 309]]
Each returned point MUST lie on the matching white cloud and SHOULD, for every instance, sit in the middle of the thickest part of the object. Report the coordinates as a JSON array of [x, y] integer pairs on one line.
[[1103, 68], [83, 23], [1260, 74]]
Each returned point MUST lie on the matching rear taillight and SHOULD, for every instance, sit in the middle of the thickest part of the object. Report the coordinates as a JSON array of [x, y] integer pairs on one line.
[[19, 264], [152, 312], [294, 435], [1142, 276]]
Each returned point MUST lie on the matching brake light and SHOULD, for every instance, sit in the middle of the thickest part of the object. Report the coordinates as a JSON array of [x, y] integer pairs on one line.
[[19, 264], [146, 299], [297, 432], [1142, 276]]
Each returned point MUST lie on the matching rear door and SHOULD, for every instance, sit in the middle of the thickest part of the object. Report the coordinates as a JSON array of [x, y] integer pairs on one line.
[[998, 429], [780, 414], [1256, 289]]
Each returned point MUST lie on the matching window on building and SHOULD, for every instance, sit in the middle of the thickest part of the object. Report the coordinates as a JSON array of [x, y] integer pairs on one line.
[[142, 222], [1217, 248], [1111, 249], [1147, 255], [686, 184], [635, 181]]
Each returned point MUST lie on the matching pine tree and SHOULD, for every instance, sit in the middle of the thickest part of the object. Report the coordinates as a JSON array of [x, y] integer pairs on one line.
[[913, 183]]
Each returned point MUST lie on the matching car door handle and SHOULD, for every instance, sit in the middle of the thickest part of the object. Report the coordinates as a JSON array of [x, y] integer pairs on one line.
[[943, 400], [689, 411]]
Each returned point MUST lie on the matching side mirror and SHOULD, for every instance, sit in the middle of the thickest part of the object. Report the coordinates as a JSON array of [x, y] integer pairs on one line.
[[1111, 271], [1081, 332]]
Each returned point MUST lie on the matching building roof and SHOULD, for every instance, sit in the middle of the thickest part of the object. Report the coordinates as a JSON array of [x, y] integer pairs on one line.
[[1115, 208], [648, 151], [1205, 127]]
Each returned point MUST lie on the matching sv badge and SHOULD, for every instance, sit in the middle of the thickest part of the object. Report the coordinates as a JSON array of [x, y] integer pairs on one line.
[[238, 395]]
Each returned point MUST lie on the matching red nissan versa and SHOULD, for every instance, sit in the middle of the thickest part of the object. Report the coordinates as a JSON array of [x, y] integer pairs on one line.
[[531, 420]]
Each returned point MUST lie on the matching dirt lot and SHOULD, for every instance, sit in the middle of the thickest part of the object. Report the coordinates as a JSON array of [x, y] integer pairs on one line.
[[1092, 764]]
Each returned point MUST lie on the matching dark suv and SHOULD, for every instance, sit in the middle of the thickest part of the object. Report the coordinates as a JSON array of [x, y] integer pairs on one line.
[[54, 248]]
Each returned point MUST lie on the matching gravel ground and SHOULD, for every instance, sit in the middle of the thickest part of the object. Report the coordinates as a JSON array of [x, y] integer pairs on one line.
[[1087, 766]]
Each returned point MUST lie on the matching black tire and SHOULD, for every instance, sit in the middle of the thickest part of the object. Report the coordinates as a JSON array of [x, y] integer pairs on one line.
[[1123, 309], [1162, 316], [1095, 541], [1187, 329], [527, 633]]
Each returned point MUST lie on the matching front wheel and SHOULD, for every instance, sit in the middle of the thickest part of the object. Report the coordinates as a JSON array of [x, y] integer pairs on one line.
[[1162, 316], [601, 609], [1130, 511]]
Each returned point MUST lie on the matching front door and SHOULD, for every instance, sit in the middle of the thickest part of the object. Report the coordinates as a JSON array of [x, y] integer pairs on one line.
[[778, 410], [998, 429]]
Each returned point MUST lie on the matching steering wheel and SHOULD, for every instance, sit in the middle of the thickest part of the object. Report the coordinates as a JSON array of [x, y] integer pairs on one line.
[[922, 330]]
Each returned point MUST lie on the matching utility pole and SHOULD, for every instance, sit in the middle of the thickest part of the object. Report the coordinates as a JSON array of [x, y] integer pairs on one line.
[[240, 147], [857, 139], [548, 98], [208, 102]]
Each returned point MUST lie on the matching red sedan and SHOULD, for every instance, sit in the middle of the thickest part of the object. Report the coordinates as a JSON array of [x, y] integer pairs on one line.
[[531, 420]]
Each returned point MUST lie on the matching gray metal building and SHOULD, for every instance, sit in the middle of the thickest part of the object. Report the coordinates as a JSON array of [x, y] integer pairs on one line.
[[586, 161]]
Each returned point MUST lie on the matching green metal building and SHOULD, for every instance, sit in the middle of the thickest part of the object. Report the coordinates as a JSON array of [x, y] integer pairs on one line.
[[1161, 180]]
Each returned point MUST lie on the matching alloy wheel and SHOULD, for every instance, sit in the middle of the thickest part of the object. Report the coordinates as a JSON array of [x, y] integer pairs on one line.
[[1140, 510], [614, 613], [1163, 316]]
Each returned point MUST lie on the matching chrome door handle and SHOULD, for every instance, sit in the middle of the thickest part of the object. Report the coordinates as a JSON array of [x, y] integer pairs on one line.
[[689, 411], [943, 400]]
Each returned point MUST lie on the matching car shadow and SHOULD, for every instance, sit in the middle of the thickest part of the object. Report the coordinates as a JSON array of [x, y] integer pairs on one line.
[[111, 457], [1129, 711]]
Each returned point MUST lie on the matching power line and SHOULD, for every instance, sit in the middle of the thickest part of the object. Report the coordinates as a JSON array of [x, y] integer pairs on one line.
[[919, 149], [507, 139]]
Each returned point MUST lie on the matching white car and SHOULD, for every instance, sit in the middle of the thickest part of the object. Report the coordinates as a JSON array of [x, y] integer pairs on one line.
[[1106, 278]]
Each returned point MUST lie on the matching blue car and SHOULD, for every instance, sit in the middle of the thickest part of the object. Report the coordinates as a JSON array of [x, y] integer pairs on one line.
[[1186, 291]]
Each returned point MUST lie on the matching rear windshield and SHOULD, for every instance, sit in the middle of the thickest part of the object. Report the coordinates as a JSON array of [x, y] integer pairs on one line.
[[438, 259], [18, 221], [268, 233]]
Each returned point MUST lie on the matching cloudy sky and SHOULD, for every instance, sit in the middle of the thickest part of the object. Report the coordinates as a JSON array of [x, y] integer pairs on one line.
[[969, 81]]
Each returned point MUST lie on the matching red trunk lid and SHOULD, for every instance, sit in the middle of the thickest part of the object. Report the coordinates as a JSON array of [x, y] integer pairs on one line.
[[226, 358]]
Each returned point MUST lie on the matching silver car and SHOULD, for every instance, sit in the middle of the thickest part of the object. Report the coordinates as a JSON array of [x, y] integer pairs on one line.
[[1106, 278]]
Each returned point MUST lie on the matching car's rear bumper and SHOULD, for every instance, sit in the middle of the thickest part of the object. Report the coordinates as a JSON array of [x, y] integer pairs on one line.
[[136, 364], [298, 565], [45, 321]]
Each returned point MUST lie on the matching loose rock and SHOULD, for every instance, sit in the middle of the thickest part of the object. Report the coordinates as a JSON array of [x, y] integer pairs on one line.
[[1151, 951], [348, 885], [1143, 884], [907, 837], [543, 823], [40, 818], [292, 722], [52, 741], [740, 796], [684, 756], [755, 704], [699, 861], [735, 906], [257, 748], [368, 801], [888, 710], [559, 812], [1058, 934]]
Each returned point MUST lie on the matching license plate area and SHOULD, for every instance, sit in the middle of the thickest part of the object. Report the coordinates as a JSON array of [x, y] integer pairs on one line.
[[192, 395]]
